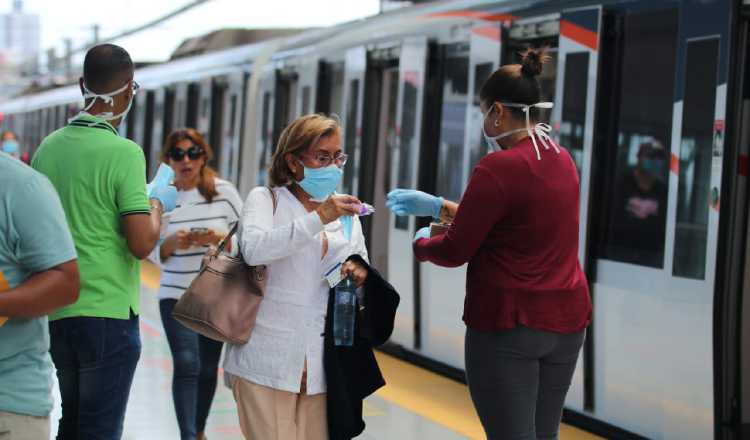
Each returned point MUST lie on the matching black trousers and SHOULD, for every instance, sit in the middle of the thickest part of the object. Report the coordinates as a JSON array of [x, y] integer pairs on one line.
[[518, 380]]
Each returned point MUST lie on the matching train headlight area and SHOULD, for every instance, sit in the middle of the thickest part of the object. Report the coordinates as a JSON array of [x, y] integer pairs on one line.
[[639, 86]]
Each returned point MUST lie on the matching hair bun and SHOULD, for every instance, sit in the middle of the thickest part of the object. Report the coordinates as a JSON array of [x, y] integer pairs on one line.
[[532, 61]]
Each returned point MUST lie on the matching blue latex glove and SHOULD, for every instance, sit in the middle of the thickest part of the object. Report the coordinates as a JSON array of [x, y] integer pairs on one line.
[[422, 233], [412, 202], [167, 195], [160, 188]]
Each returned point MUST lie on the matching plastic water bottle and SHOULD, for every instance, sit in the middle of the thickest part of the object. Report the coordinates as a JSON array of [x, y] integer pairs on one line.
[[344, 306]]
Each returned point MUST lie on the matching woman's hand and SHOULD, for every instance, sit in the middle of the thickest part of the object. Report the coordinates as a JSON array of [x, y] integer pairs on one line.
[[336, 206], [180, 240], [356, 270], [208, 238]]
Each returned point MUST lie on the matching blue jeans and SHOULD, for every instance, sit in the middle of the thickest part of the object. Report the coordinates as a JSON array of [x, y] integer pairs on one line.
[[95, 360], [196, 364]]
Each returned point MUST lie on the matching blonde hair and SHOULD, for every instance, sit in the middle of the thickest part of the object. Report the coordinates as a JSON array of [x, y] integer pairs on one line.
[[297, 137]]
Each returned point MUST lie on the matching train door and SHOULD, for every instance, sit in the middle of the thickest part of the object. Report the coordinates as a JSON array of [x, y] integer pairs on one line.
[[654, 217], [573, 122], [231, 127], [264, 133], [170, 113], [354, 79], [308, 86], [205, 107], [157, 129], [216, 118], [465, 67], [286, 97], [180, 115], [148, 131], [400, 143]]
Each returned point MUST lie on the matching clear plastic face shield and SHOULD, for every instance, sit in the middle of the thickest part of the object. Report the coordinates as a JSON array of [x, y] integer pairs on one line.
[[108, 98], [540, 130]]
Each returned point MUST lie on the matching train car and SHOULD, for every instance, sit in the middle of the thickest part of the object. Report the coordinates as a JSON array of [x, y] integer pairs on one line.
[[635, 83]]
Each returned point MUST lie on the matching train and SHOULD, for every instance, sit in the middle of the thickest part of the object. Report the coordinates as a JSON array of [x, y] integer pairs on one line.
[[667, 355]]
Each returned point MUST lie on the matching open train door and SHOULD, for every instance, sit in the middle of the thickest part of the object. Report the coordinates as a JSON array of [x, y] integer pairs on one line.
[[442, 290], [573, 121], [401, 266]]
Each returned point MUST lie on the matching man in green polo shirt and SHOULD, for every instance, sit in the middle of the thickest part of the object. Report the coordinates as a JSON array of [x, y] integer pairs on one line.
[[100, 176]]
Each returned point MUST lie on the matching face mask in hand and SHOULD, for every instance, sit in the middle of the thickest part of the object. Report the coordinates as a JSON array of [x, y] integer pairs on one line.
[[320, 183]]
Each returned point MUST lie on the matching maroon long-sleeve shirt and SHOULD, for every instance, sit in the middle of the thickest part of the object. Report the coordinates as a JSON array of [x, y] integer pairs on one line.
[[517, 227]]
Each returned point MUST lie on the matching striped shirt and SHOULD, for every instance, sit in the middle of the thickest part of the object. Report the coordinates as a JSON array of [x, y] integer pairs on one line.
[[193, 211]]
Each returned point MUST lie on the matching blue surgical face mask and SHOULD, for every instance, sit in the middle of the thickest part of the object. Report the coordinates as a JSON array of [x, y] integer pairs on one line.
[[321, 182], [10, 146], [655, 167]]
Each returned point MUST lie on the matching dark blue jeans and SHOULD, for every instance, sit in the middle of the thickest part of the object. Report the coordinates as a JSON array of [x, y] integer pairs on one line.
[[196, 363], [95, 360]]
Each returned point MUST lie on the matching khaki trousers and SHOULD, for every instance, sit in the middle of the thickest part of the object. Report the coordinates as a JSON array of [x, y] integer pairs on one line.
[[269, 414], [23, 427]]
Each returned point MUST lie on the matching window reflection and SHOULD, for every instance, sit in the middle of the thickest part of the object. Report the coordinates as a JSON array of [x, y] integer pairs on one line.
[[637, 205], [452, 125]]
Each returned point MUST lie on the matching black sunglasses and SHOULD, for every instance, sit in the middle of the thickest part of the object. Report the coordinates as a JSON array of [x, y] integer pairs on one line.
[[178, 154]]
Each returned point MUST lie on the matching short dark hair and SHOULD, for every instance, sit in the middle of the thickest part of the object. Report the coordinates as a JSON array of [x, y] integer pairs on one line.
[[517, 83], [103, 65]]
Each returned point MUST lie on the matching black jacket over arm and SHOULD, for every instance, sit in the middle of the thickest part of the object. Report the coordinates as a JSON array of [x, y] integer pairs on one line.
[[352, 373]]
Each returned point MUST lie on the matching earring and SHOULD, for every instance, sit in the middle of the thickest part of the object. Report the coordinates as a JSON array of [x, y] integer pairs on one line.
[[497, 123]]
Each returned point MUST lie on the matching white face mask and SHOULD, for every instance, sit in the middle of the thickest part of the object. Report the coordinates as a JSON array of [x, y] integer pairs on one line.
[[108, 98], [540, 130]]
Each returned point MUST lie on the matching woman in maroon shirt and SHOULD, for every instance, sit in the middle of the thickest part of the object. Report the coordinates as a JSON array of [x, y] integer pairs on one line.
[[527, 301]]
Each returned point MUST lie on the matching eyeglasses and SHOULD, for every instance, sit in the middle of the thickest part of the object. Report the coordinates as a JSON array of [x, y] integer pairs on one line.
[[325, 160], [178, 154]]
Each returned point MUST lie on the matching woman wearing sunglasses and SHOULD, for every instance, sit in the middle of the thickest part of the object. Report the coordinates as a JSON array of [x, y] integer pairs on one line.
[[208, 206]]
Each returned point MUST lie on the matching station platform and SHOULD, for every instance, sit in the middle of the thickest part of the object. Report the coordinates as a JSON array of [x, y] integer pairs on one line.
[[415, 403]]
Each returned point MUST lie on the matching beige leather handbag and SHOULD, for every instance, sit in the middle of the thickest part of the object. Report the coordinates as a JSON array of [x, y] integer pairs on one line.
[[222, 302]]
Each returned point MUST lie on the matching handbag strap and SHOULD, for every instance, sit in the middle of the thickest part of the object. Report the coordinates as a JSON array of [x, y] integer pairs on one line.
[[233, 231]]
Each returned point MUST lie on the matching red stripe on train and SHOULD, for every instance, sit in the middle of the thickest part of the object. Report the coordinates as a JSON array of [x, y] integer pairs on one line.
[[473, 14], [579, 34]]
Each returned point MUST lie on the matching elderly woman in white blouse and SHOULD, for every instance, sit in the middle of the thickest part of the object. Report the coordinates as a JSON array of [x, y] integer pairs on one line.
[[279, 382]]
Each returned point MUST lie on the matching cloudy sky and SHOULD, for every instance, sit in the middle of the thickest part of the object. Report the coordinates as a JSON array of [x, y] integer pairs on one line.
[[74, 19]]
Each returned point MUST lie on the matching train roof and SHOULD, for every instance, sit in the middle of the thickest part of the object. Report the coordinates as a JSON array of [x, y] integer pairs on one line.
[[322, 41]]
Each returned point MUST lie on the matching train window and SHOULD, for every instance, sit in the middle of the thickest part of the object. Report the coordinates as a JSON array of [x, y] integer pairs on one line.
[[193, 98], [350, 134], [168, 120], [575, 91], [305, 100], [637, 202], [478, 146], [691, 232], [331, 88], [452, 126], [265, 136]]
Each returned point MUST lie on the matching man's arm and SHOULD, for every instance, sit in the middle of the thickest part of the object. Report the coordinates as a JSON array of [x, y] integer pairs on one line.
[[142, 230], [42, 293]]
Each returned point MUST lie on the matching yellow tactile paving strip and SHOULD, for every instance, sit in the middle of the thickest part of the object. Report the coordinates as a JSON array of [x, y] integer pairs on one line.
[[434, 397]]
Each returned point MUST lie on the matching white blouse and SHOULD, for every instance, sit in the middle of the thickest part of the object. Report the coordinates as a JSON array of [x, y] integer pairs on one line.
[[193, 210], [291, 320]]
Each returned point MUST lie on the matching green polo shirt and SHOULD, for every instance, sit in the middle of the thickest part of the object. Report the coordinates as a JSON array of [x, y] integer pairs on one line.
[[100, 177]]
